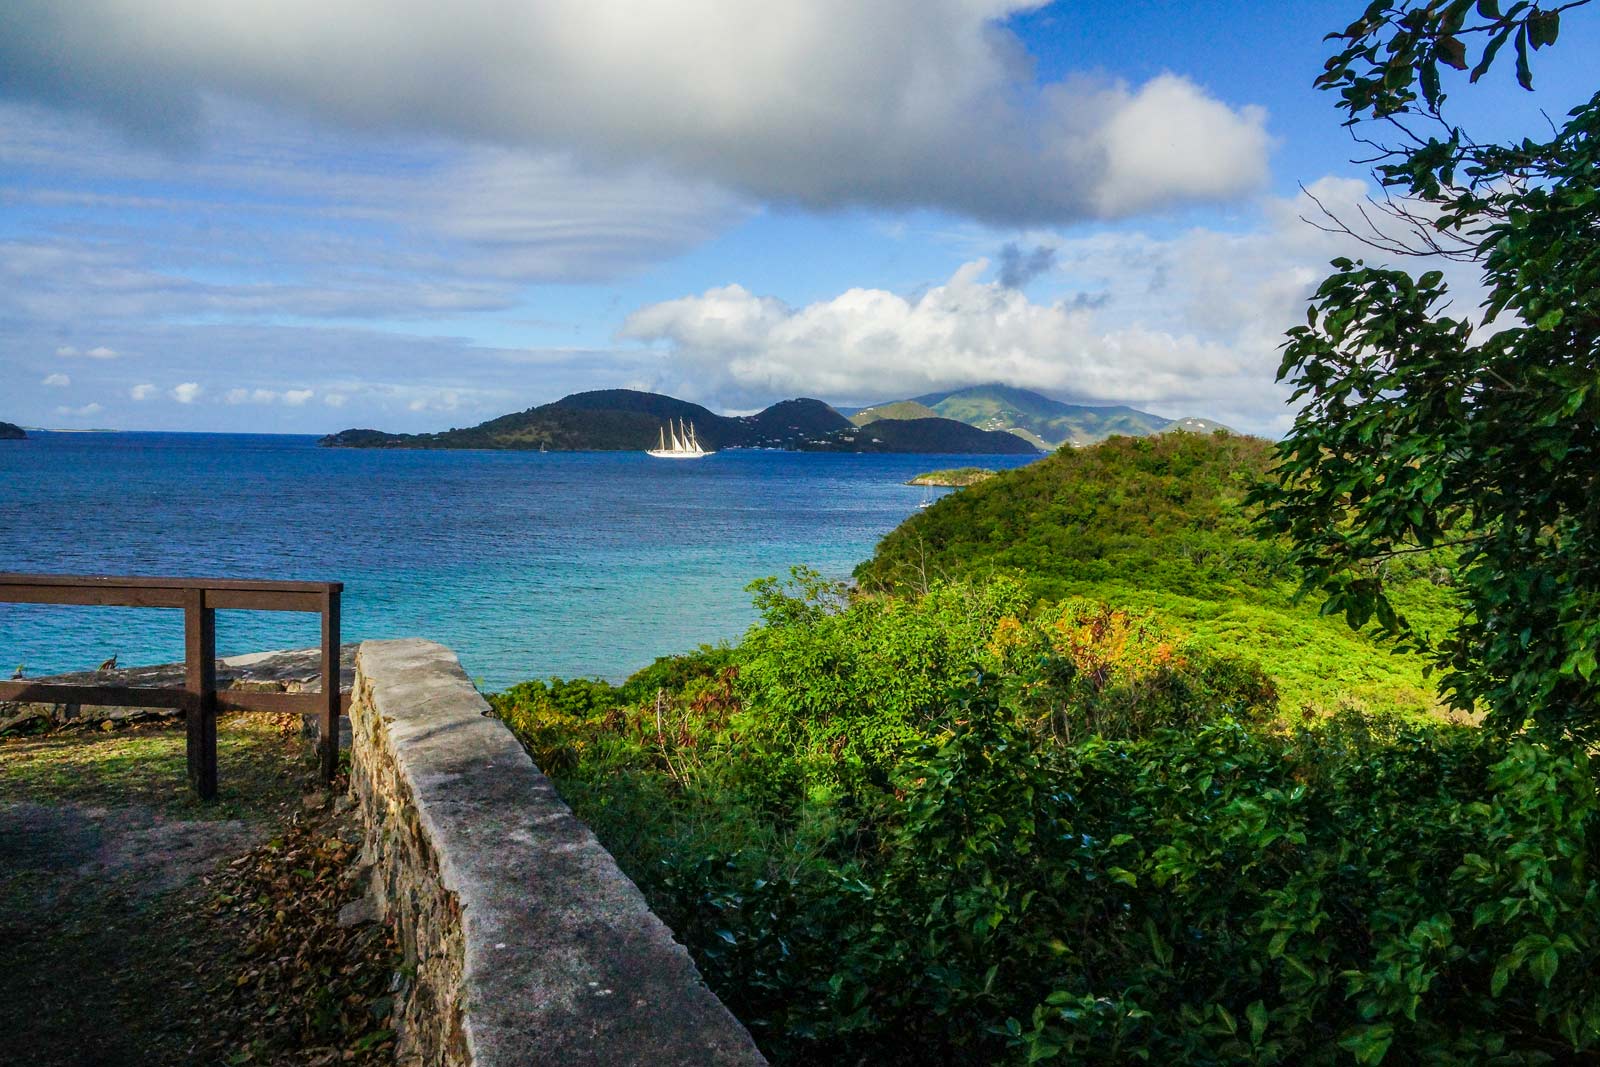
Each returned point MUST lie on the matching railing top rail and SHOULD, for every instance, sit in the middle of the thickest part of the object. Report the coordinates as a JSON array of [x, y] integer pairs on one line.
[[109, 582]]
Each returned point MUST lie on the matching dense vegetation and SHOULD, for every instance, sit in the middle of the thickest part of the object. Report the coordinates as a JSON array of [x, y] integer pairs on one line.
[[956, 477], [1420, 428], [969, 815], [1162, 524], [11, 432], [967, 827]]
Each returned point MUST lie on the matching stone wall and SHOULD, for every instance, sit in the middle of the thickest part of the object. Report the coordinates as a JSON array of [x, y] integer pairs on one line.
[[525, 944]]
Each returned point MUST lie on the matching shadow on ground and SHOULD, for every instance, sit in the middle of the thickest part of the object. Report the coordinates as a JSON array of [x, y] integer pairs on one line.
[[111, 947]]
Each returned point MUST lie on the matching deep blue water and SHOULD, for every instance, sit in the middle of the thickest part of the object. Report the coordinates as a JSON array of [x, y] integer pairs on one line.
[[527, 564]]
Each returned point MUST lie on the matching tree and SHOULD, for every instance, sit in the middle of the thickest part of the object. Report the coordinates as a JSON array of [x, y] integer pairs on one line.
[[1427, 435]]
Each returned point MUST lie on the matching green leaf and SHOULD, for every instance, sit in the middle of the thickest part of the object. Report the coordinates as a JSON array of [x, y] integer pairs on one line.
[[1257, 1014]]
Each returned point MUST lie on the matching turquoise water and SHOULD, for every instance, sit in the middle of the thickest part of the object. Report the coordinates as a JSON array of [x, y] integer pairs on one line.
[[527, 564]]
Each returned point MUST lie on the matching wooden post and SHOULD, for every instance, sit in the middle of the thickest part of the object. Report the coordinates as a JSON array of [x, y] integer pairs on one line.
[[329, 743], [200, 663]]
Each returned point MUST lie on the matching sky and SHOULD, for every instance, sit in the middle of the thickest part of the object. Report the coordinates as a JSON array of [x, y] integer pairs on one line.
[[303, 216]]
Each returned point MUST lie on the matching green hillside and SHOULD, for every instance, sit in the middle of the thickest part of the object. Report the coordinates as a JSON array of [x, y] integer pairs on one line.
[[900, 409], [1192, 424], [1054, 422], [1160, 523], [618, 420], [922, 435], [11, 432]]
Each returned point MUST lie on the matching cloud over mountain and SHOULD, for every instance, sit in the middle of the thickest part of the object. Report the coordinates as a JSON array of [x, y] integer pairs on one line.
[[822, 103], [1182, 325]]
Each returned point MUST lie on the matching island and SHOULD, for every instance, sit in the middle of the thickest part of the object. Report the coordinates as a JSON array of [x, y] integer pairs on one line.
[[12, 432], [629, 420], [956, 478]]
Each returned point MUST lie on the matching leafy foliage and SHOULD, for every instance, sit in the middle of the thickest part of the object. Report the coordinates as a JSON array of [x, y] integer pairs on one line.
[[1028, 873], [1163, 525], [1420, 430]]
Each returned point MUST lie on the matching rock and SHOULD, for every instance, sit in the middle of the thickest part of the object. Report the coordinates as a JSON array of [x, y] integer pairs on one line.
[[314, 801], [358, 912]]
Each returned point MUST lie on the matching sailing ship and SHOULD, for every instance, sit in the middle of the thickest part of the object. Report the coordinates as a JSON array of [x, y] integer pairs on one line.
[[678, 442]]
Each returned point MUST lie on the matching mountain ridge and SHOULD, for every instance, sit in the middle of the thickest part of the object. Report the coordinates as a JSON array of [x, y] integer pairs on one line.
[[1041, 420], [631, 420]]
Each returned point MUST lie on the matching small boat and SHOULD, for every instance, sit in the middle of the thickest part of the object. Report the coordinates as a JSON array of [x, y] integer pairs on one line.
[[927, 499], [678, 442]]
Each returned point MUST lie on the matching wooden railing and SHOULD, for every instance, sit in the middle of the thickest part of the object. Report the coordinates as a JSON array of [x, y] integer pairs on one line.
[[199, 699]]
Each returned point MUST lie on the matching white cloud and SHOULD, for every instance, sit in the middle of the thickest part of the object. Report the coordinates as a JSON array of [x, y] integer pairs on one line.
[[297, 397], [1186, 325], [79, 413], [896, 103], [334, 400], [57, 380], [142, 392], [187, 392], [1170, 139], [98, 352]]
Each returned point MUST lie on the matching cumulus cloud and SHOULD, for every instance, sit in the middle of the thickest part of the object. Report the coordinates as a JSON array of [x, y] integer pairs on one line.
[[874, 343], [297, 397], [57, 380], [187, 392], [895, 103], [142, 392], [335, 400], [79, 413], [97, 352], [1182, 325]]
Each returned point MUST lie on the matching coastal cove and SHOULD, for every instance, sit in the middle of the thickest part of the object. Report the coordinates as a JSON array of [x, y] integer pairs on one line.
[[528, 564]]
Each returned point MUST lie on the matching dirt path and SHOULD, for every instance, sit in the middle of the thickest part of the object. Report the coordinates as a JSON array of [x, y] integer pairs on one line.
[[113, 947]]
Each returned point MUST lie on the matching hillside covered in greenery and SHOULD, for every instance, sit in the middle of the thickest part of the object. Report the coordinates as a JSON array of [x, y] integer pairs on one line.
[[1070, 778], [1161, 524], [11, 432], [629, 420]]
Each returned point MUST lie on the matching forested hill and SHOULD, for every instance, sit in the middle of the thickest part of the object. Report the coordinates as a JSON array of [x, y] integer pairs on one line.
[[1170, 508], [1036, 418], [11, 432], [630, 420], [1159, 523]]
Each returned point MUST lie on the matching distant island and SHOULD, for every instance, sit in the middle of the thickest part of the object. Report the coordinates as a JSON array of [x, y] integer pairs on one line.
[[630, 420], [12, 432], [979, 420], [1045, 423], [956, 478]]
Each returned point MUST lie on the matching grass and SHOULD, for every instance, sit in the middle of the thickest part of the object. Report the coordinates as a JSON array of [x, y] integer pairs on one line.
[[261, 765], [133, 916]]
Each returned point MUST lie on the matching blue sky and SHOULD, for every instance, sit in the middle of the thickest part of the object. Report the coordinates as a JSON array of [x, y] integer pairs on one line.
[[298, 216]]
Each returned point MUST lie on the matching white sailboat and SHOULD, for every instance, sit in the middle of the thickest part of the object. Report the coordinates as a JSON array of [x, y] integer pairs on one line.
[[678, 442]]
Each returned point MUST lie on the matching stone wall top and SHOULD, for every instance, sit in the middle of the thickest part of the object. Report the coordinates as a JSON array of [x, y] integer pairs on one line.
[[564, 963]]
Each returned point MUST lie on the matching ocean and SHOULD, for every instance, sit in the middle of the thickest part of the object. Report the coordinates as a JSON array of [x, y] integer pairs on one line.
[[527, 564]]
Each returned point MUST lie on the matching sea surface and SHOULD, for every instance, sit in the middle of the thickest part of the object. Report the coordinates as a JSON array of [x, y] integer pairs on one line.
[[527, 564]]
